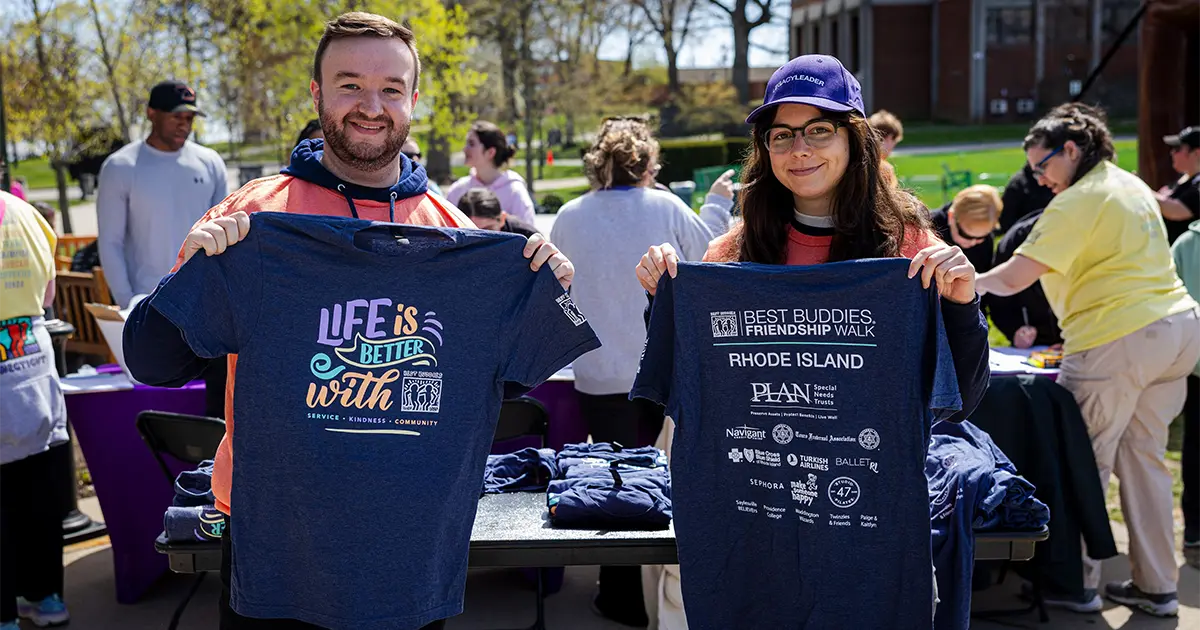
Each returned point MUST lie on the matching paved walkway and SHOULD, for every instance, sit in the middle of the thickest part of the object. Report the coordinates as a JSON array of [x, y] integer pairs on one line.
[[498, 598]]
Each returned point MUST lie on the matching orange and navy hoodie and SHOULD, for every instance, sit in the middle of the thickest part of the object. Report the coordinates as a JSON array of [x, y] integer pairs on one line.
[[155, 350]]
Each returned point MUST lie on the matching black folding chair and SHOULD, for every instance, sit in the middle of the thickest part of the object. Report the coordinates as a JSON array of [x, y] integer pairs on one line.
[[189, 439], [522, 417], [527, 417]]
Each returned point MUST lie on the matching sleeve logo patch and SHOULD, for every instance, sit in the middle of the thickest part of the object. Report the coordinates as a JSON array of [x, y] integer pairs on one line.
[[570, 310]]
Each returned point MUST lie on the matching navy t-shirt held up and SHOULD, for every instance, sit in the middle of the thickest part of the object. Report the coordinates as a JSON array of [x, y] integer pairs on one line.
[[803, 399], [372, 362]]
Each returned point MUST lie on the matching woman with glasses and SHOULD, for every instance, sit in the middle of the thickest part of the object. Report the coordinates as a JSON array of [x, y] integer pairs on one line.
[[1131, 333], [604, 233], [812, 192]]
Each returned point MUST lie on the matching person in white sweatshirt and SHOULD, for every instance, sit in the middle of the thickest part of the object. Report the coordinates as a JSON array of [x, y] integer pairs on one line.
[[488, 152], [605, 232]]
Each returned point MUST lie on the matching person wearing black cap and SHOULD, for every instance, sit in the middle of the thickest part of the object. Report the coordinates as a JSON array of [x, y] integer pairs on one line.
[[152, 191], [1180, 202]]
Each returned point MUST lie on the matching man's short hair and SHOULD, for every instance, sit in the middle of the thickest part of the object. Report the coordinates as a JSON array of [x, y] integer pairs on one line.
[[887, 125], [359, 24]]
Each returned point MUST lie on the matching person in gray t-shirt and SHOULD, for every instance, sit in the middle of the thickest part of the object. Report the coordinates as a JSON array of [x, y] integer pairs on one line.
[[151, 192]]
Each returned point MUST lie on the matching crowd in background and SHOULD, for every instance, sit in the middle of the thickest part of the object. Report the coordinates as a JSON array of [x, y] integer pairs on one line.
[[1130, 334]]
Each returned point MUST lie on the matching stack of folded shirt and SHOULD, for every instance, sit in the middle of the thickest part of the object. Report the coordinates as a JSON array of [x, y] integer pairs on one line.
[[192, 516], [607, 486], [526, 470]]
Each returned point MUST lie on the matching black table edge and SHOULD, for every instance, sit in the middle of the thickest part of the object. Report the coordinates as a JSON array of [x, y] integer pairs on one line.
[[198, 557]]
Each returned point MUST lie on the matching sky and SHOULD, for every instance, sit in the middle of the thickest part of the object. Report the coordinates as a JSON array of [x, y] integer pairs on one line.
[[712, 47]]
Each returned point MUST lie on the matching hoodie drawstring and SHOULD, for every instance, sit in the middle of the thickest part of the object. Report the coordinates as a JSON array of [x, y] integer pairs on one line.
[[354, 211]]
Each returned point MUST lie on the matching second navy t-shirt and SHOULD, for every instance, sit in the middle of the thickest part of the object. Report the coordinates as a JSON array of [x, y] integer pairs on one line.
[[803, 399]]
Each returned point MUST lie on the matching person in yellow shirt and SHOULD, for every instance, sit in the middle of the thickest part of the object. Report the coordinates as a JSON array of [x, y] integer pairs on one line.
[[1131, 332], [32, 423]]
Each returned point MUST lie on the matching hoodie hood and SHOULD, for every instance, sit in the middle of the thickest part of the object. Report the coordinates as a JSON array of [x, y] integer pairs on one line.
[[306, 165], [1195, 226]]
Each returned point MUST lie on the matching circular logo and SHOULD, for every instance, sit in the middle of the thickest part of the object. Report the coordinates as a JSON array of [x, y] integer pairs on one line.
[[782, 433], [868, 439], [792, 459], [843, 492]]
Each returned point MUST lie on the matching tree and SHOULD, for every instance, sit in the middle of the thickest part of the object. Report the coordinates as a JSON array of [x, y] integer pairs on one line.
[[448, 80], [55, 94], [672, 21], [745, 15], [575, 31]]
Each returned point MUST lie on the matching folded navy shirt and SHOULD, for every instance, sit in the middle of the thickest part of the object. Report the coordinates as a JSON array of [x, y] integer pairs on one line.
[[581, 460], [972, 486], [193, 488], [526, 470], [636, 503], [193, 524]]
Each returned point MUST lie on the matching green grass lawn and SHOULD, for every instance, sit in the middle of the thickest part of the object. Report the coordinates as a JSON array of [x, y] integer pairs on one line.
[[922, 173], [548, 172], [566, 194], [36, 171], [925, 134]]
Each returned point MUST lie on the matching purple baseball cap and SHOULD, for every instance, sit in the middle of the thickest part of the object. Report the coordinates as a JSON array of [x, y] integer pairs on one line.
[[818, 80]]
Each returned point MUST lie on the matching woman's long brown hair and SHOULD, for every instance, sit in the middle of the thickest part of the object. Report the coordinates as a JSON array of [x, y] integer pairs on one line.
[[869, 215]]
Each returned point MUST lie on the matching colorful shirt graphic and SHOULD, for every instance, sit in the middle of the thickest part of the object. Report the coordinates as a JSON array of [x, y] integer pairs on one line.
[[372, 362], [803, 399]]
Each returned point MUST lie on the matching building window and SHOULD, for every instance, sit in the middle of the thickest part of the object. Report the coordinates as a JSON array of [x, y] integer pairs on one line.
[[854, 42], [835, 37], [1067, 22], [998, 106], [1114, 17], [1009, 26]]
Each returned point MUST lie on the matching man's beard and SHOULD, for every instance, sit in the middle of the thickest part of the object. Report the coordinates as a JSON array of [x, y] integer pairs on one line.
[[364, 157]]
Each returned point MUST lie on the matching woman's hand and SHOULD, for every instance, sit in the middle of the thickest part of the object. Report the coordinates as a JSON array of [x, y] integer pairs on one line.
[[723, 186], [541, 251], [1024, 337], [659, 259], [949, 267], [215, 236]]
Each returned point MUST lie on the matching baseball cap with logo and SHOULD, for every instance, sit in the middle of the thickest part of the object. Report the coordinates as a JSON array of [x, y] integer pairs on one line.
[[1189, 136], [818, 80], [174, 97]]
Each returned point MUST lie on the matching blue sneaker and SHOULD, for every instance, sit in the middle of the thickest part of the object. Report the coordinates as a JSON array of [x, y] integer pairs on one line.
[[11, 625], [48, 612]]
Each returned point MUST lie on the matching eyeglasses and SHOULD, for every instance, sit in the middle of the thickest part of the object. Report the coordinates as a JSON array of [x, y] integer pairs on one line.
[[413, 156], [1039, 168], [817, 133]]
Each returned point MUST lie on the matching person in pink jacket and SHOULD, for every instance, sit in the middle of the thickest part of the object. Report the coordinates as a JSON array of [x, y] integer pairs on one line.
[[487, 152]]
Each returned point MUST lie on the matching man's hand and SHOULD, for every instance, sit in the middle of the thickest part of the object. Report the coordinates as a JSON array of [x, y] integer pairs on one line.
[[540, 252], [215, 236], [723, 187]]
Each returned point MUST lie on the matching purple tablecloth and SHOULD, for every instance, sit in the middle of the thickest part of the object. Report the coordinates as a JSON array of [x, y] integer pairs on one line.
[[132, 489]]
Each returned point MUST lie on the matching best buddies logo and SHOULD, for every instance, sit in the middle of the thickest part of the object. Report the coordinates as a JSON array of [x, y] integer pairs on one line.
[[371, 346]]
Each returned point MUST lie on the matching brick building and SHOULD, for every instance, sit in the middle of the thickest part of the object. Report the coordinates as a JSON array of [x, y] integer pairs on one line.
[[974, 60]]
